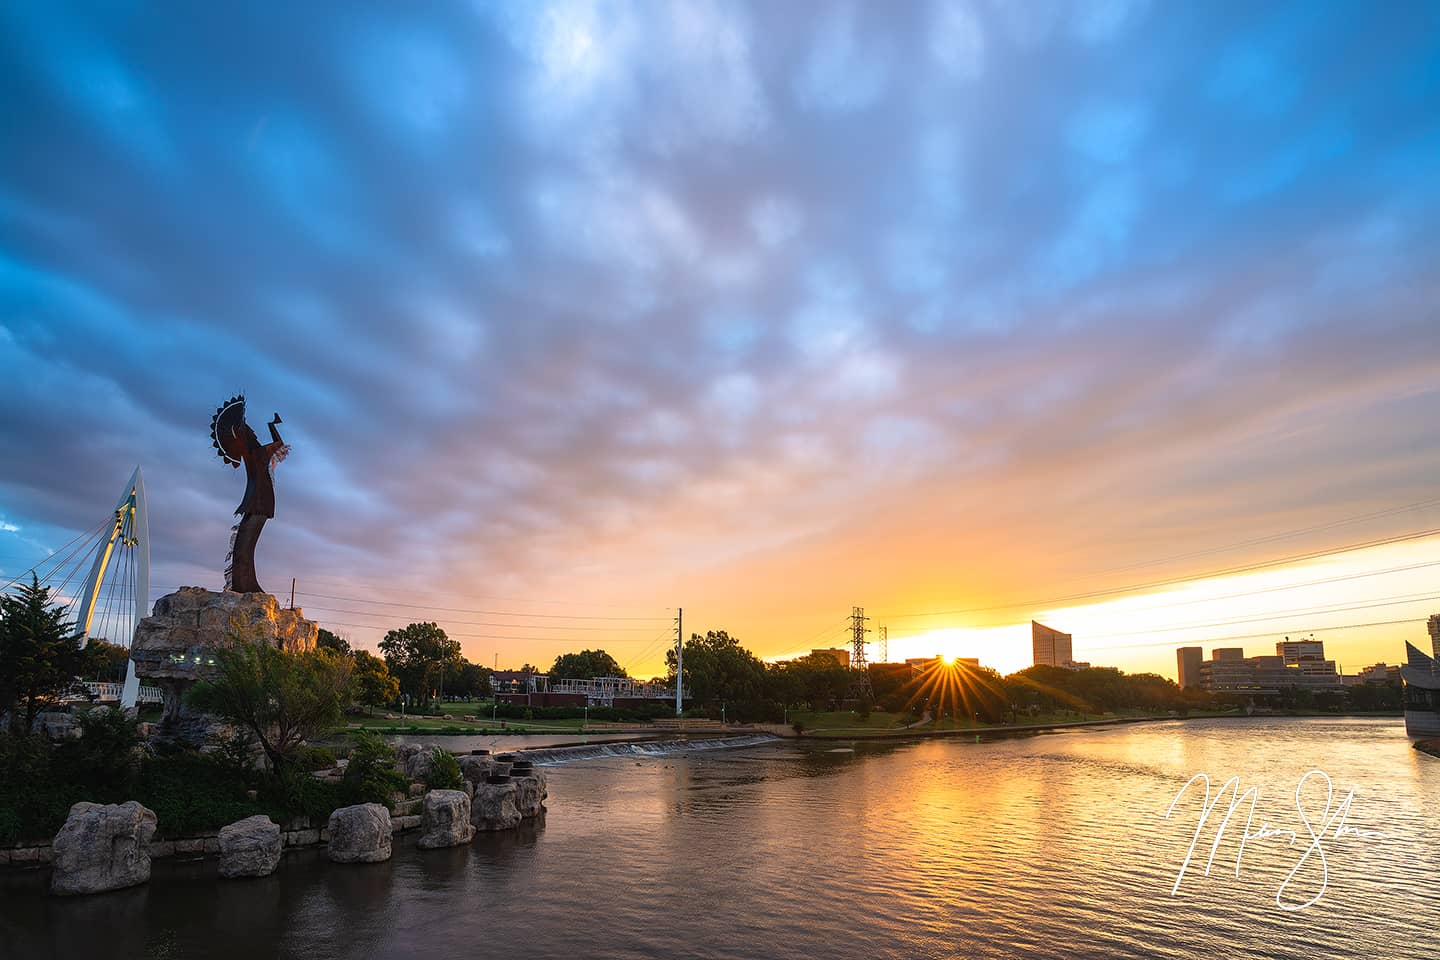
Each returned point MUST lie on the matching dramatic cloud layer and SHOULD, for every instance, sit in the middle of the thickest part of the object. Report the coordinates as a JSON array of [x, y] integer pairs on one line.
[[764, 310]]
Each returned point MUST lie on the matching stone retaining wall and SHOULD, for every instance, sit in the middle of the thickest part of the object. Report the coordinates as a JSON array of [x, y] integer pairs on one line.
[[294, 834]]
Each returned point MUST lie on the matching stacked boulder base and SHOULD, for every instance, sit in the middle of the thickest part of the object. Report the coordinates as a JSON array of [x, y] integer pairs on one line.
[[446, 820], [175, 646], [494, 806], [102, 847], [531, 789], [359, 834], [250, 847], [415, 762]]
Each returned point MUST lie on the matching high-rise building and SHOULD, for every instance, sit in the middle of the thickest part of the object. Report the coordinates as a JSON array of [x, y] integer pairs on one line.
[[1434, 626], [1189, 659], [1051, 647], [1299, 651]]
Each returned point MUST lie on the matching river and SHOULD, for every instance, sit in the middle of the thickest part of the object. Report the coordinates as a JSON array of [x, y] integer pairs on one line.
[[1042, 846]]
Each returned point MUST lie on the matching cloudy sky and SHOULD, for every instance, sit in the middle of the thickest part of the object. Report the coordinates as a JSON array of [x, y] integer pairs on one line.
[[580, 311]]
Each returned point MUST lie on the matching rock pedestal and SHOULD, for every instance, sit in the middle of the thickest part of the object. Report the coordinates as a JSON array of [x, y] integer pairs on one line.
[[415, 761], [494, 806], [446, 820], [359, 834], [530, 793], [175, 646], [250, 847], [102, 847]]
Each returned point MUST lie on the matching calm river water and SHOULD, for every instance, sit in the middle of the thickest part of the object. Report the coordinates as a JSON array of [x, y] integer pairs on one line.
[[1052, 845]]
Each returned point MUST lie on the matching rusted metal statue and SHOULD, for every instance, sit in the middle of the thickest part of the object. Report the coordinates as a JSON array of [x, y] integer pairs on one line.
[[236, 443]]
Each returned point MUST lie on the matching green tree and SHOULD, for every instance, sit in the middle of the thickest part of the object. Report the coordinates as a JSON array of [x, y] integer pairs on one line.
[[107, 660], [418, 655], [584, 665], [466, 679], [333, 642], [281, 698], [371, 683], [41, 654], [719, 670]]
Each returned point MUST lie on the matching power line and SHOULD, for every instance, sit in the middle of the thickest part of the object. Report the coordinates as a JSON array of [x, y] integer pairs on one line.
[[482, 623], [492, 613], [1272, 538], [486, 636], [391, 584], [1228, 571], [1333, 608], [1260, 636]]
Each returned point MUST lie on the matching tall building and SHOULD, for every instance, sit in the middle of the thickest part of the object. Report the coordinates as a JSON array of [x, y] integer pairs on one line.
[[1189, 659], [837, 654], [1300, 651], [1051, 647], [1434, 625]]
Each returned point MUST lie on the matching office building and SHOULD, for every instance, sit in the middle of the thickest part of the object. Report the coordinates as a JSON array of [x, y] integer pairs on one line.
[[1294, 664], [838, 654], [1189, 659], [1050, 647]]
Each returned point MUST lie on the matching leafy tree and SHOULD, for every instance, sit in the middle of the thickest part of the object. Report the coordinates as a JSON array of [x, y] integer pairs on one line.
[[41, 654], [718, 669], [281, 698], [584, 665], [418, 655], [107, 660], [333, 642], [466, 679], [817, 680], [371, 683]]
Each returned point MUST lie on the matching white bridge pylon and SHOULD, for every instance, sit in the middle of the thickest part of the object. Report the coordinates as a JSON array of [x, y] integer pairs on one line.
[[130, 531]]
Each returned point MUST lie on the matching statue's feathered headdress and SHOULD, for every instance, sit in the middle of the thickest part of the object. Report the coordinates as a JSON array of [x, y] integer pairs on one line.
[[226, 431]]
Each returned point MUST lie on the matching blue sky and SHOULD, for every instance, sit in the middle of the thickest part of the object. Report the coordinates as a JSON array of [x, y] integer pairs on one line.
[[779, 308]]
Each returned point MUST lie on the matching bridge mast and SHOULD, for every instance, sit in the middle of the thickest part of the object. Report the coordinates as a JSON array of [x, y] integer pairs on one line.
[[130, 529]]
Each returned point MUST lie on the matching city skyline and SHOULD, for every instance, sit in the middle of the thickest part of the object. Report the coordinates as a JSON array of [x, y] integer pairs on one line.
[[957, 313]]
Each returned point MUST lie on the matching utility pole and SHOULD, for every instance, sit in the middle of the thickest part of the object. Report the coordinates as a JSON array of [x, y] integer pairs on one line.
[[884, 644], [861, 686], [679, 660]]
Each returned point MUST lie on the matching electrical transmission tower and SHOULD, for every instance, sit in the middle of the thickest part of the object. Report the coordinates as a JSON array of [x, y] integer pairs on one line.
[[884, 644], [861, 686]]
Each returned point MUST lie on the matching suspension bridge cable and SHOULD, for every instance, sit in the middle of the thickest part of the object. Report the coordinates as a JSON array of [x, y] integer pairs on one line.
[[79, 540]]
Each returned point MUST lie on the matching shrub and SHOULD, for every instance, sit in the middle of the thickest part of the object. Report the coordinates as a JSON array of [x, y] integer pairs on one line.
[[314, 758], [191, 791], [444, 772], [371, 776]]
